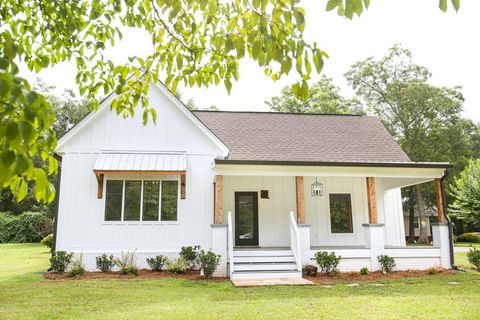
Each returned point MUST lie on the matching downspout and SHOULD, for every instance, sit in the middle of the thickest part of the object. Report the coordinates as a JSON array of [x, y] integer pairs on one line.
[[449, 221], [57, 196]]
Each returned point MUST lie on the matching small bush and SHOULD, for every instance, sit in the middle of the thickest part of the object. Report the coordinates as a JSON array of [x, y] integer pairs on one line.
[[105, 263], [156, 264], [434, 270], [364, 271], [177, 266], [60, 261], [77, 269], [48, 241], [387, 263], [327, 262], [127, 263], [208, 261], [190, 254], [469, 237], [473, 257], [26, 227]]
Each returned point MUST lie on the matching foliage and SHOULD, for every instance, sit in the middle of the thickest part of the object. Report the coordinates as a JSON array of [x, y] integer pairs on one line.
[[364, 271], [387, 263], [60, 260], [327, 262], [190, 254], [466, 192], [48, 241], [127, 263], [473, 257], [324, 97], [156, 263], [471, 237], [177, 266], [105, 263], [208, 261], [76, 268], [27, 227], [435, 270]]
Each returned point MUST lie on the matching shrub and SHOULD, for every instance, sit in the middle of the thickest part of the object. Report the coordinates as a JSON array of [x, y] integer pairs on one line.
[[208, 261], [190, 254], [469, 237], [156, 264], [48, 241], [127, 263], [105, 263], [327, 262], [27, 227], [387, 263], [434, 270], [60, 261], [364, 271], [177, 266], [77, 269], [473, 257]]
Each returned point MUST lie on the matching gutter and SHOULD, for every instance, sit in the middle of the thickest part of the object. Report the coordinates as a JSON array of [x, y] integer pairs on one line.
[[57, 195], [449, 220]]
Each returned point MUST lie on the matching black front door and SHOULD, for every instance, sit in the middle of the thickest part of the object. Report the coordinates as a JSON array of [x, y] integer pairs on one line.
[[246, 218]]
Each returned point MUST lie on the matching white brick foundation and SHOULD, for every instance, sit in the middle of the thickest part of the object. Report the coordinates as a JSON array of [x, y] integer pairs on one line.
[[441, 240], [304, 232], [219, 246], [375, 241]]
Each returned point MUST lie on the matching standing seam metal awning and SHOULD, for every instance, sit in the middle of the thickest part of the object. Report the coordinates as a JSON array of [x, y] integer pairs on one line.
[[141, 161]]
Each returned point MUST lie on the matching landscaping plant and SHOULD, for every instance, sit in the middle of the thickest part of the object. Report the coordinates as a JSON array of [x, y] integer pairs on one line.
[[364, 271], [47, 241], [177, 266], [310, 270], [126, 263], [208, 261], [469, 237], [60, 261], [105, 263], [327, 262], [387, 263], [473, 257], [190, 254], [77, 269], [156, 263]]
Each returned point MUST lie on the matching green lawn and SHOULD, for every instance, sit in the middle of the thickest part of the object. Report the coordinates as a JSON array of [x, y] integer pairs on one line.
[[467, 244], [24, 294]]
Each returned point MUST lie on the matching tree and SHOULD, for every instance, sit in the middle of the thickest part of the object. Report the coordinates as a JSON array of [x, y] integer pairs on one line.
[[197, 42], [324, 97], [419, 115], [466, 192]]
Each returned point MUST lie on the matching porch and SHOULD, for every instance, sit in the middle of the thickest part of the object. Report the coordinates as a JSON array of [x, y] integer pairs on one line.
[[251, 221]]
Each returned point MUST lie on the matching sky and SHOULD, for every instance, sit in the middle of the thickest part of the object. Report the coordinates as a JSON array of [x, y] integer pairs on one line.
[[446, 43]]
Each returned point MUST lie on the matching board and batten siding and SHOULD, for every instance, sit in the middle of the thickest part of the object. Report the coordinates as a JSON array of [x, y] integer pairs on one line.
[[273, 213], [81, 224]]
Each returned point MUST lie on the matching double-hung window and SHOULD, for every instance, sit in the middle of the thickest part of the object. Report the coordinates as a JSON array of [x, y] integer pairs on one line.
[[141, 200]]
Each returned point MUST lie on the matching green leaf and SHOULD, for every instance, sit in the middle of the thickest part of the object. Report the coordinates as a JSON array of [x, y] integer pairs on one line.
[[456, 4], [26, 129], [4, 87], [22, 164], [12, 131], [443, 5], [228, 85], [332, 4]]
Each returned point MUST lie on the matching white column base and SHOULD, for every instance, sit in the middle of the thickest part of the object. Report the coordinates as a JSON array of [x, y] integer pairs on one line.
[[375, 241], [304, 232], [219, 246], [441, 240]]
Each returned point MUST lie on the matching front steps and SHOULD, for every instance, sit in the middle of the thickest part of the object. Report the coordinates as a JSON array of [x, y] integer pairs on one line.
[[264, 263]]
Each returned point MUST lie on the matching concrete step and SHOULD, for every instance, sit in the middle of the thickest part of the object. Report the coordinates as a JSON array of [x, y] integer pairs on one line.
[[256, 275], [260, 259], [265, 266], [262, 253]]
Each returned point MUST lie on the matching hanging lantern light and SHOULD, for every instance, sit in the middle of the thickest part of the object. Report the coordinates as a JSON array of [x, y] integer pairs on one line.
[[317, 189]]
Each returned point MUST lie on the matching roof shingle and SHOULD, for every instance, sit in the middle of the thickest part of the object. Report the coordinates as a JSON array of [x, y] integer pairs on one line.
[[271, 136]]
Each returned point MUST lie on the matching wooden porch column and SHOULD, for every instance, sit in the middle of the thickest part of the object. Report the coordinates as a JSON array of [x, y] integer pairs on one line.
[[217, 219], [440, 208], [372, 201], [300, 200]]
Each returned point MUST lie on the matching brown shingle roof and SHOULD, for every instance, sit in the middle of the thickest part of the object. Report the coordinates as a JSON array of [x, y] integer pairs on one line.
[[269, 136]]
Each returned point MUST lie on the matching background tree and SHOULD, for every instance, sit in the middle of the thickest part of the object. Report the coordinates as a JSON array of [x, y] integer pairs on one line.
[[196, 42], [466, 192], [324, 97], [423, 118]]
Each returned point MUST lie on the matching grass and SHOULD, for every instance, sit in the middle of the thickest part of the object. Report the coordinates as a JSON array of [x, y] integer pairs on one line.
[[467, 244], [26, 295]]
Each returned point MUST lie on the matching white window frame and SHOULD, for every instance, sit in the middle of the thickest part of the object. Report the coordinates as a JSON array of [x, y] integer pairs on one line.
[[158, 178]]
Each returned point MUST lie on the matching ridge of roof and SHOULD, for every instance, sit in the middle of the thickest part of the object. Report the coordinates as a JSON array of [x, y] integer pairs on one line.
[[284, 113]]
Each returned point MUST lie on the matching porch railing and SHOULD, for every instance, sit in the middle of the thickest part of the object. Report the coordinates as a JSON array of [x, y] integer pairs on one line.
[[295, 241], [230, 243]]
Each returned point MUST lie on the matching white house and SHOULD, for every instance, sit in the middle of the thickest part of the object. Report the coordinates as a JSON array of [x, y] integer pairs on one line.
[[265, 190]]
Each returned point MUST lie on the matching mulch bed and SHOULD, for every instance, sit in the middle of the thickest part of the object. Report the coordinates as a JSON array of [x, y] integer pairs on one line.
[[372, 276], [142, 274]]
